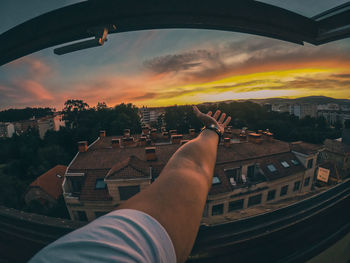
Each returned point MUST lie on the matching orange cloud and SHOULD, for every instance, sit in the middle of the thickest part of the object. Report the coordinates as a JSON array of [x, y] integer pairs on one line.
[[36, 89]]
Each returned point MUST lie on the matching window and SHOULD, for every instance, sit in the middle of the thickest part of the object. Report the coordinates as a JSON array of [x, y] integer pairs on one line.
[[76, 183], [251, 171], [295, 162], [217, 210], [310, 163], [235, 205], [284, 190], [254, 200], [100, 213], [271, 195], [82, 216], [126, 192], [307, 181], [285, 164], [232, 172], [272, 168], [100, 184], [216, 180], [296, 186]]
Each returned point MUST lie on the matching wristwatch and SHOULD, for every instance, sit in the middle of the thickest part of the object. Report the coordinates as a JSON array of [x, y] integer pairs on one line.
[[214, 128]]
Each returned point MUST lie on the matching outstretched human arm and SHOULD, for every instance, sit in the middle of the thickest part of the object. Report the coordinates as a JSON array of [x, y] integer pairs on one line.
[[177, 198]]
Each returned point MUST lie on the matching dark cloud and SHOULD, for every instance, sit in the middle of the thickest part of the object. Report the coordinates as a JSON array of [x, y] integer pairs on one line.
[[178, 62], [231, 57], [343, 76]]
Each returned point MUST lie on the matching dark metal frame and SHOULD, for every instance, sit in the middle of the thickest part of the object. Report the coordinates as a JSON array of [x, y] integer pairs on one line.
[[75, 22]]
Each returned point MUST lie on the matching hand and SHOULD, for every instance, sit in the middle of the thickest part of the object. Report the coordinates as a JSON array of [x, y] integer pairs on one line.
[[208, 119]]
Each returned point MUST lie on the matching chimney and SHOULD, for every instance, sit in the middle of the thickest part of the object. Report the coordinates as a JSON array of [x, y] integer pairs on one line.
[[143, 141], [176, 139], [227, 142], [154, 134], [145, 130], [115, 143], [150, 153], [242, 137], [192, 132], [102, 134], [254, 137], [182, 142], [165, 135], [148, 141], [82, 146], [126, 132], [127, 141], [268, 136], [228, 134], [173, 132]]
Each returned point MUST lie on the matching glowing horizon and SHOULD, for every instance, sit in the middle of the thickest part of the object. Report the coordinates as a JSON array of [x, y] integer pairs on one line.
[[146, 71]]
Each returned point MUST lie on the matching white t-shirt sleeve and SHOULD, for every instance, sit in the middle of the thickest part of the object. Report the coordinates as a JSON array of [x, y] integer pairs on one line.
[[121, 236]]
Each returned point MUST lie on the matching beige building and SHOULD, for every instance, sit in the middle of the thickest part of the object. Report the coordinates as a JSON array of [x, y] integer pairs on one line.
[[251, 169]]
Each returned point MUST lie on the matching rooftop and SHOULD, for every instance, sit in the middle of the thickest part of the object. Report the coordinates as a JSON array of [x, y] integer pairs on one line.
[[51, 181], [102, 161]]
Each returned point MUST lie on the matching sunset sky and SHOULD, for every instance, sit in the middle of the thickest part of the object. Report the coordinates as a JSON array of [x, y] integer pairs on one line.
[[166, 67]]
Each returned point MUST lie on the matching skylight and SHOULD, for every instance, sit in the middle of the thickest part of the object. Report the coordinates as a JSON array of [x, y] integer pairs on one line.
[[295, 162], [285, 164], [216, 180], [100, 184], [272, 168]]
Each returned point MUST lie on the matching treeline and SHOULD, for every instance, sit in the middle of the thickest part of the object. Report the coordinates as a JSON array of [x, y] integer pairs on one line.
[[12, 115], [25, 157], [256, 117]]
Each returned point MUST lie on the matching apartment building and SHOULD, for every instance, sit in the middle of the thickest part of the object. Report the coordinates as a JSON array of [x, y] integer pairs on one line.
[[7, 129], [251, 169]]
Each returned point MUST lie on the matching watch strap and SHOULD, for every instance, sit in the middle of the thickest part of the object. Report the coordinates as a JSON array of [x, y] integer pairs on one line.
[[214, 128]]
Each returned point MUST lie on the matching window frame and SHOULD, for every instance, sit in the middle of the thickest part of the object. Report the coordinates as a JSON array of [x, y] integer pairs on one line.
[[214, 207], [231, 208], [307, 181], [259, 196], [310, 163], [100, 180], [271, 165], [284, 190], [268, 198], [285, 164], [295, 184]]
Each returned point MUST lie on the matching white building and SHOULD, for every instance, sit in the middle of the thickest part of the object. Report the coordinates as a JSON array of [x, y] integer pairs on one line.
[[7, 129]]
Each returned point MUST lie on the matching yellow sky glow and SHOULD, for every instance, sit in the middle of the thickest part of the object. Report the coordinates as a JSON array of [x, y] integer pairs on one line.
[[277, 83]]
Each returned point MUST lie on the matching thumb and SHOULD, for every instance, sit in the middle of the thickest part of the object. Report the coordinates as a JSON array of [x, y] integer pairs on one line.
[[196, 110]]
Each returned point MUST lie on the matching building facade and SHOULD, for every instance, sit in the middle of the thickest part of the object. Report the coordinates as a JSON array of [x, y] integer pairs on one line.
[[252, 169], [7, 129]]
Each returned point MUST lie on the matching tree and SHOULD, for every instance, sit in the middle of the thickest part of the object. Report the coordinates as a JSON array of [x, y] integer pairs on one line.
[[72, 110]]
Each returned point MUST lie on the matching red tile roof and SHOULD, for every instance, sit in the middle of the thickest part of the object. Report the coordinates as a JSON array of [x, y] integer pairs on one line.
[[131, 167], [51, 181], [88, 191], [131, 161]]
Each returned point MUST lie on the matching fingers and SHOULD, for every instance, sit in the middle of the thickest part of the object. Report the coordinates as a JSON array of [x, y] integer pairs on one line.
[[222, 118], [209, 113], [227, 121], [216, 115], [196, 110]]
